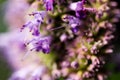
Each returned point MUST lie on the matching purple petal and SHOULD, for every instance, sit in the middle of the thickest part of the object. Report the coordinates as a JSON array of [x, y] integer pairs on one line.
[[48, 5]]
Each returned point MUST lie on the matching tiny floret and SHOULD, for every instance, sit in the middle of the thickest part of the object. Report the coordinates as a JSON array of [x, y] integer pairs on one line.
[[48, 5], [73, 22], [78, 7]]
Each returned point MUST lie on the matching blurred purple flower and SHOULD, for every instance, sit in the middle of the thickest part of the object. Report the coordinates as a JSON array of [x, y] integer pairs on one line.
[[34, 73]]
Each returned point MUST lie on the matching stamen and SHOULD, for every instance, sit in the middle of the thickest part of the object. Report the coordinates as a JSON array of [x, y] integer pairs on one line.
[[55, 28]]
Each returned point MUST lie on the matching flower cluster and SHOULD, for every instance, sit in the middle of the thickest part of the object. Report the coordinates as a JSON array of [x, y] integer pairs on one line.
[[34, 25], [38, 43], [79, 33]]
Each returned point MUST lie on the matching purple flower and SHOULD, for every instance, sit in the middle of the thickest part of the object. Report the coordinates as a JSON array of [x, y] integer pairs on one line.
[[39, 15], [49, 5], [73, 22], [40, 44], [75, 29], [78, 7], [34, 25]]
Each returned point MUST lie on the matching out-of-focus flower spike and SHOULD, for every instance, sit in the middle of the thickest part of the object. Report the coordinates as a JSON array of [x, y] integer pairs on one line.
[[38, 73], [20, 74]]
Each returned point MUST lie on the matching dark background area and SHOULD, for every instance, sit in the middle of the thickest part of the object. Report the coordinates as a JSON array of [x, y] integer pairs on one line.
[[114, 61], [113, 65]]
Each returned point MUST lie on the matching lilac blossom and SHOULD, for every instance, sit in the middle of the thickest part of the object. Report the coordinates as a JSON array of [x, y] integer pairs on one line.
[[40, 44], [33, 27], [34, 24], [73, 22], [48, 5], [78, 7]]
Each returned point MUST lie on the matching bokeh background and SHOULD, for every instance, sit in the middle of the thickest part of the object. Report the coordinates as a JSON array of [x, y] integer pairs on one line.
[[113, 64], [5, 69]]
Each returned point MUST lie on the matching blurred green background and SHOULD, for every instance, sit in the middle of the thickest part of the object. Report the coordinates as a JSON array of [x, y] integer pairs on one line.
[[5, 70], [113, 64], [3, 26]]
